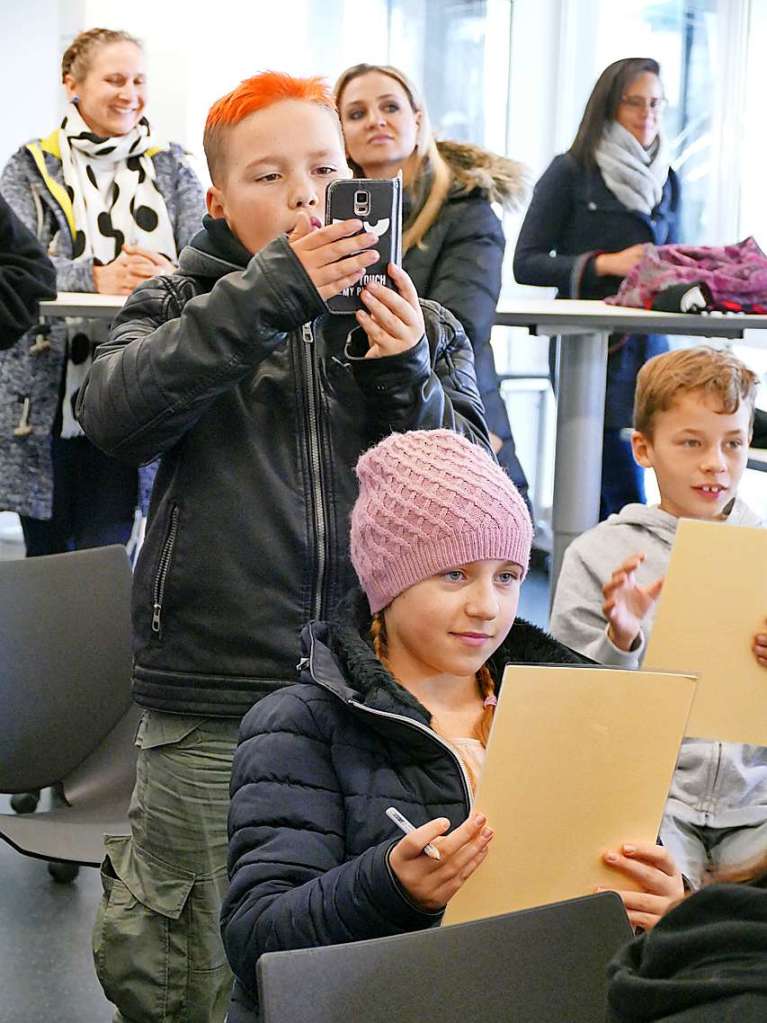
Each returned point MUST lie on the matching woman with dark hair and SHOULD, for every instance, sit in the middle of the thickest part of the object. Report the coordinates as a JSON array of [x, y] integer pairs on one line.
[[453, 241], [592, 211], [112, 206]]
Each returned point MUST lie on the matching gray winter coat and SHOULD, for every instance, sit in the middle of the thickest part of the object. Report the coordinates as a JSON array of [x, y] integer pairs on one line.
[[26, 473], [717, 784]]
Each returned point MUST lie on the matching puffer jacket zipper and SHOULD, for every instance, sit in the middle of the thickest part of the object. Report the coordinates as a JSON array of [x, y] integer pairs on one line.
[[424, 729], [162, 572], [315, 466]]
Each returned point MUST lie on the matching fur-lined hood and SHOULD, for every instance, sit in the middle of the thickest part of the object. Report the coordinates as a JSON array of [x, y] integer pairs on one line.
[[503, 180], [339, 655]]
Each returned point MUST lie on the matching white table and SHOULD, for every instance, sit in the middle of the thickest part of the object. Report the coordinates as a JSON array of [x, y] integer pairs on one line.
[[83, 303], [584, 328]]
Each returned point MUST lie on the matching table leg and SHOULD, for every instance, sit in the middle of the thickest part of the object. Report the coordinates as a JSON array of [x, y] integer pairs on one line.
[[582, 372]]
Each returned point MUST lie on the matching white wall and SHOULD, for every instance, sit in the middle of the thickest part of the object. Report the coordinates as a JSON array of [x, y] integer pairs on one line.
[[30, 55]]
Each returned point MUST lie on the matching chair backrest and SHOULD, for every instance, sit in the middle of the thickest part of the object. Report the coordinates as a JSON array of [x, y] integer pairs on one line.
[[65, 661], [544, 965]]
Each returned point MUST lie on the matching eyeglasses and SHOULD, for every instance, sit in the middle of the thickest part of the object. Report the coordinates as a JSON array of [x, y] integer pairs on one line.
[[655, 103]]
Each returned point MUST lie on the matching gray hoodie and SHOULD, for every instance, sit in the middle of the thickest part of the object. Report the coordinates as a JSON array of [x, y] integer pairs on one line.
[[720, 785]]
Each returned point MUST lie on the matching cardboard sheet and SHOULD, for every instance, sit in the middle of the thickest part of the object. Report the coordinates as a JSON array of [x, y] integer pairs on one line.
[[579, 761], [713, 602]]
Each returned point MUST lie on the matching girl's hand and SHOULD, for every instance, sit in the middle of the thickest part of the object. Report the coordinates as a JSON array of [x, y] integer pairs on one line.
[[760, 648], [393, 322], [652, 867], [627, 603], [432, 883], [618, 264], [330, 256]]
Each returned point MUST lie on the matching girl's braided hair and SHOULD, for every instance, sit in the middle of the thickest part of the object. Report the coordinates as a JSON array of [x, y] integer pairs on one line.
[[485, 680], [78, 55]]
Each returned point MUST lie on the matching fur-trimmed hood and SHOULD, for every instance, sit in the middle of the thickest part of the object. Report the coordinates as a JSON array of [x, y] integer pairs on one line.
[[503, 180]]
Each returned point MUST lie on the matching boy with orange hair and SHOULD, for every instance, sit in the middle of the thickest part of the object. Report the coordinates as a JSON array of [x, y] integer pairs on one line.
[[259, 404], [693, 416]]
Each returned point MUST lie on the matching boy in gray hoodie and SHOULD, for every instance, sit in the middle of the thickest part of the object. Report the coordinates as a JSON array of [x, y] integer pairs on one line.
[[693, 417]]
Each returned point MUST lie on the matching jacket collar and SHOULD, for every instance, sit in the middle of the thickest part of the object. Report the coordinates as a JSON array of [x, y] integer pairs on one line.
[[214, 251]]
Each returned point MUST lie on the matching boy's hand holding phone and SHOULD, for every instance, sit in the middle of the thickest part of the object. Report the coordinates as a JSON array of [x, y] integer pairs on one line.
[[392, 322], [330, 255], [432, 883], [651, 867], [627, 604]]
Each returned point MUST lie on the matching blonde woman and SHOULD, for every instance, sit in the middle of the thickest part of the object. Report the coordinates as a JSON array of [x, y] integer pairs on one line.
[[453, 241], [113, 206]]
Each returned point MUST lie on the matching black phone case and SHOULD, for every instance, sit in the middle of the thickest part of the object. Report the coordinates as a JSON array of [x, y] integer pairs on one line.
[[384, 216]]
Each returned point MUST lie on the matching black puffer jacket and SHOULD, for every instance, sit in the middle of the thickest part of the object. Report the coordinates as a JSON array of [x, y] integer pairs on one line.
[[705, 962], [317, 765], [459, 264], [26, 276], [260, 406]]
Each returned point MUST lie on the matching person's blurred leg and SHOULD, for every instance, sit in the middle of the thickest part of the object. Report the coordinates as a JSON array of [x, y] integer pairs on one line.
[[622, 478], [156, 942]]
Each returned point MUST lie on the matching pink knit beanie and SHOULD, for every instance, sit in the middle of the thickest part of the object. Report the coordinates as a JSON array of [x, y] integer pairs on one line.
[[430, 500]]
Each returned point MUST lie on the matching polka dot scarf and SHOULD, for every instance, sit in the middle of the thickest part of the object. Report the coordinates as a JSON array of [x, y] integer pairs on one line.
[[115, 201]]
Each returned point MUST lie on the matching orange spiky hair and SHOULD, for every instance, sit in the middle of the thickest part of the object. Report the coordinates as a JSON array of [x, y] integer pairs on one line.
[[253, 94]]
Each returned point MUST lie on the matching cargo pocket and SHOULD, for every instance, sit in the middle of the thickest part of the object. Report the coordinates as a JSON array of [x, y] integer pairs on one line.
[[139, 942]]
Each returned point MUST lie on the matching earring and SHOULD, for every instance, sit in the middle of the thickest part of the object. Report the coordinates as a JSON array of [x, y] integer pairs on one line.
[[75, 100]]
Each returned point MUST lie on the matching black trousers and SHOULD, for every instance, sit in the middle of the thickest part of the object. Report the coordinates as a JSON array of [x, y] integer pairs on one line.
[[94, 500]]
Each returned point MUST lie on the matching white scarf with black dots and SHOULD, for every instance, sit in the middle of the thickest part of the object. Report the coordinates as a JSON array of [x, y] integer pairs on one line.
[[115, 201]]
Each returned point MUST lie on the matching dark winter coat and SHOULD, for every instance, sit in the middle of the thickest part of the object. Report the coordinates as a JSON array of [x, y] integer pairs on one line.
[[459, 264], [317, 766], [259, 403], [704, 962], [29, 180], [573, 216], [26, 277]]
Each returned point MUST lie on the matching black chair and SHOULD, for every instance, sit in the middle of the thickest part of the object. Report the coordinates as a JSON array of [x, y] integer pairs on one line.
[[67, 718], [544, 965]]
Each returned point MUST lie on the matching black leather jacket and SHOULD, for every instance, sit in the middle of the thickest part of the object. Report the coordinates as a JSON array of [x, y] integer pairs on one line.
[[259, 403]]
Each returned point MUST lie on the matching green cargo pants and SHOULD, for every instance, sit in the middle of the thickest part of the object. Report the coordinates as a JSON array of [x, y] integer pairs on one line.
[[156, 942]]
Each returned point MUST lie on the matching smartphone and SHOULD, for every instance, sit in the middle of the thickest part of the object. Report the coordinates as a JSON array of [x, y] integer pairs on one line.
[[378, 204]]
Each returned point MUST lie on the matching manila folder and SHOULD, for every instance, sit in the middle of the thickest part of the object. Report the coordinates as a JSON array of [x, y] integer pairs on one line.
[[713, 603], [579, 761]]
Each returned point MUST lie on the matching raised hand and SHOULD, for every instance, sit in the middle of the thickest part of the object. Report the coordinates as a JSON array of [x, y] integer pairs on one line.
[[654, 870], [330, 255], [432, 883], [627, 603], [392, 322]]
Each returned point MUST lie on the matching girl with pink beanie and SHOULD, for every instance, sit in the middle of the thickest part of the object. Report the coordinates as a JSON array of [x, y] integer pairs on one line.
[[394, 708]]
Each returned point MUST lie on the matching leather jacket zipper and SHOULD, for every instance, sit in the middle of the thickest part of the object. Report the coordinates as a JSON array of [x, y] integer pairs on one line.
[[162, 571], [315, 465]]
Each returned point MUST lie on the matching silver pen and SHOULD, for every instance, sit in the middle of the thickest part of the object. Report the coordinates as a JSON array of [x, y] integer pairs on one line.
[[404, 825]]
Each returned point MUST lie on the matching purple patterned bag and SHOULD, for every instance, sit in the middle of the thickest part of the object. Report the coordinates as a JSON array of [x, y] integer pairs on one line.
[[735, 274]]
